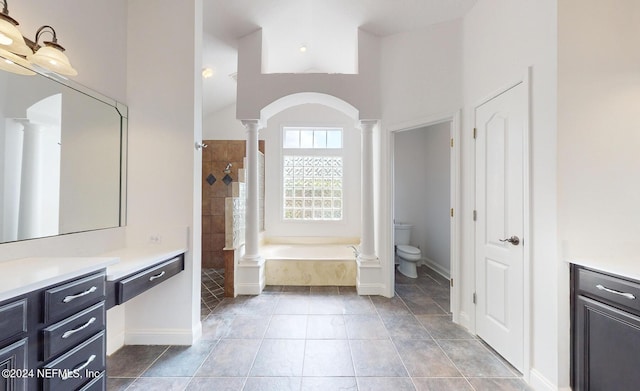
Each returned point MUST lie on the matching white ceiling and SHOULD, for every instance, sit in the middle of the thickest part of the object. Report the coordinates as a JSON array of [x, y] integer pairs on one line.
[[288, 24]]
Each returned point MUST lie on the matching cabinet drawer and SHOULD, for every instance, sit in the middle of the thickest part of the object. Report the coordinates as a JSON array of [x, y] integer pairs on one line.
[[64, 300], [69, 332], [69, 372], [13, 357], [614, 290], [132, 286], [13, 319], [97, 384]]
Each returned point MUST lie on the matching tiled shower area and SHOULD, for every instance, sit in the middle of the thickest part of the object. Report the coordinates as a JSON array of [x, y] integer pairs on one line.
[[223, 214]]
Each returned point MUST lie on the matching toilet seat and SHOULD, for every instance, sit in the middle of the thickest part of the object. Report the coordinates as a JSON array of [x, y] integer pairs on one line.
[[409, 253], [409, 250]]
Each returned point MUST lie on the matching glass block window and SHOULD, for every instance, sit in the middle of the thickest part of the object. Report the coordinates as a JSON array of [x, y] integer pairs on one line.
[[312, 174]]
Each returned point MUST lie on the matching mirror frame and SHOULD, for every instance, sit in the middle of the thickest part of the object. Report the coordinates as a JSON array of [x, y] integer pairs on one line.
[[123, 110]]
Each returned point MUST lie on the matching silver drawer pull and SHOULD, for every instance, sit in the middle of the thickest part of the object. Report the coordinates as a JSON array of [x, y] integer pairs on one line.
[[66, 375], [156, 276], [69, 333], [625, 294], [87, 292]]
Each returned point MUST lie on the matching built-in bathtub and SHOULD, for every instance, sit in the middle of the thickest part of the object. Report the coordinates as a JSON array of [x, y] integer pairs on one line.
[[309, 264]]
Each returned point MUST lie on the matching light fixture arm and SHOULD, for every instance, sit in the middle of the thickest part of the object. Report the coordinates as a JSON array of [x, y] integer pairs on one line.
[[54, 39]]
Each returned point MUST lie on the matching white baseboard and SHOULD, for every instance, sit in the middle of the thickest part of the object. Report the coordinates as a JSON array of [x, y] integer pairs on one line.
[[438, 268], [114, 342], [248, 289], [160, 337], [538, 382], [370, 289]]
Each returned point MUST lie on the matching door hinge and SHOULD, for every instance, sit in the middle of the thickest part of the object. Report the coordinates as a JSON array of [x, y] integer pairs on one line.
[[451, 143], [475, 132], [451, 281], [474, 298], [475, 215], [451, 212]]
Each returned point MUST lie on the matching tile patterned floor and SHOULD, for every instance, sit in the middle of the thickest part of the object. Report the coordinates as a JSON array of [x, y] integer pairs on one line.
[[322, 338], [212, 288]]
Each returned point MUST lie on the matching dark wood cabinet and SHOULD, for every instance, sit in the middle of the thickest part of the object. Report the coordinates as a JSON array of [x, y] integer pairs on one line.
[[53, 338], [605, 323], [13, 362]]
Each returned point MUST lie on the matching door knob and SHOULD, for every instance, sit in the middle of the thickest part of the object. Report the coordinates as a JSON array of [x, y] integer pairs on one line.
[[513, 240]]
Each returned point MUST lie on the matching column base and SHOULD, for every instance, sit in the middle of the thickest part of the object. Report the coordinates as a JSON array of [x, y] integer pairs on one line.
[[369, 277], [250, 278]]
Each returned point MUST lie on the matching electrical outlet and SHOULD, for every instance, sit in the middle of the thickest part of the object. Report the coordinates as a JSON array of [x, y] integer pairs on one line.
[[155, 238]]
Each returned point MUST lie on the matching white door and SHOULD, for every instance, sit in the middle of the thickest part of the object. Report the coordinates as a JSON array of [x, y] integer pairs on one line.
[[500, 156]]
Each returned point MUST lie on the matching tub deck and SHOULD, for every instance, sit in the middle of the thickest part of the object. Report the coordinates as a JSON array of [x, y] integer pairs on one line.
[[309, 264]]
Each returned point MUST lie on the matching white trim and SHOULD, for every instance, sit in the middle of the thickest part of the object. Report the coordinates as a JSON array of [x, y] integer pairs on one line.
[[370, 289], [436, 267], [525, 81], [455, 200], [299, 98], [540, 383], [160, 337], [114, 342]]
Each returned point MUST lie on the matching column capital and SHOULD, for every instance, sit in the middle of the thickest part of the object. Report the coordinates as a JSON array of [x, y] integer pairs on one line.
[[367, 124], [251, 124]]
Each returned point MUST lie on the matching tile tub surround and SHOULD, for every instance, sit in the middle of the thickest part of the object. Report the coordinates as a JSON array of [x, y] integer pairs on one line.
[[322, 338], [326, 264]]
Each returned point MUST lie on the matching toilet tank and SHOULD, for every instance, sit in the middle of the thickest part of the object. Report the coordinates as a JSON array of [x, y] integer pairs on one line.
[[403, 233]]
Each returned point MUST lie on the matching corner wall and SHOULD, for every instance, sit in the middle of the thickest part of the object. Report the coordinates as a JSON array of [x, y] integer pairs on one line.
[[164, 168]]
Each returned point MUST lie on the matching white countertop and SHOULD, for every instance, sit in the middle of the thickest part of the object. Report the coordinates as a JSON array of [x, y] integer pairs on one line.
[[134, 259], [622, 266], [21, 276]]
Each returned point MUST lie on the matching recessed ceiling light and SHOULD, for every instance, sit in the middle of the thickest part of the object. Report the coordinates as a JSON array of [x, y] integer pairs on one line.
[[303, 48], [207, 73]]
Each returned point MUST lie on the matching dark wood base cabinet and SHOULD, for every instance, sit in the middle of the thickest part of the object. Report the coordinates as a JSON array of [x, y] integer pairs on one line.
[[53, 339], [605, 327]]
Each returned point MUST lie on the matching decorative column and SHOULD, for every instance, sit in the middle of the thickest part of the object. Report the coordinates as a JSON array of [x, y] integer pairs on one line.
[[367, 241], [31, 191], [250, 279]]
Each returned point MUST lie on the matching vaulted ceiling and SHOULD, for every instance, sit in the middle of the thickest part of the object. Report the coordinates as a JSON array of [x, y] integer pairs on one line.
[[327, 28]]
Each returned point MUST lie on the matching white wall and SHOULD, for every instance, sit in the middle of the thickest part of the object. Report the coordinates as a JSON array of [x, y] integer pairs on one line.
[[164, 169], [223, 125], [421, 167], [95, 42], [311, 115], [257, 90], [91, 41], [501, 39], [421, 73], [421, 83], [598, 137]]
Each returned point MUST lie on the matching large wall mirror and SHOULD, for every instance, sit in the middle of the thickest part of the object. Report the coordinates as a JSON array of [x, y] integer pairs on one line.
[[62, 158]]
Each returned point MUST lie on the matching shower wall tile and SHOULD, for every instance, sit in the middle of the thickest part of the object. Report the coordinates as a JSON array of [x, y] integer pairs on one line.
[[223, 220]]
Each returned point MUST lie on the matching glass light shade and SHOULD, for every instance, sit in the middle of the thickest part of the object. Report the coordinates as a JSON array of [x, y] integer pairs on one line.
[[9, 32], [53, 59], [14, 64]]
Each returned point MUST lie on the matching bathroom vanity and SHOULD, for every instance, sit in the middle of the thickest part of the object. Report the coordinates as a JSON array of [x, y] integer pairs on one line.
[[605, 327], [53, 314]]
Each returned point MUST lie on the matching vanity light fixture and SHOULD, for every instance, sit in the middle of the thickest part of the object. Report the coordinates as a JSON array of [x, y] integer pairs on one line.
[[16, 49], [51, 56], [11, 39]]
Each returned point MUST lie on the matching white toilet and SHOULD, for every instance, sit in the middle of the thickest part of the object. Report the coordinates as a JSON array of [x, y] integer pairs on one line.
[[408, 256]]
